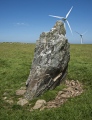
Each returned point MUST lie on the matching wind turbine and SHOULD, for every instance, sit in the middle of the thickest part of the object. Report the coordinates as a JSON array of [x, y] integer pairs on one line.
[[64, 19], [81, 35]]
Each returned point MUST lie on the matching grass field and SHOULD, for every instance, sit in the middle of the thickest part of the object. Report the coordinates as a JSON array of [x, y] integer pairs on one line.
[[15, 64]]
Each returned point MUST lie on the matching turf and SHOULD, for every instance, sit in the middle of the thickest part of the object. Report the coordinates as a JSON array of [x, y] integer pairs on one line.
[[15, 65]]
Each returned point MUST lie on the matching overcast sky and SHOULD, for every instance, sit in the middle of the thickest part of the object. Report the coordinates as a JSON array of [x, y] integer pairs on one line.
[[25, 20]]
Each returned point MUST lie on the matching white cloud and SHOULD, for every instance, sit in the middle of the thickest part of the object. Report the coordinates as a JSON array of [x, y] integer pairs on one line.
[[21, 24]]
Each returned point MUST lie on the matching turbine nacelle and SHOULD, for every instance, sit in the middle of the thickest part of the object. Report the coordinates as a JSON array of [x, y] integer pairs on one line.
[[64, 19], [81, 35]]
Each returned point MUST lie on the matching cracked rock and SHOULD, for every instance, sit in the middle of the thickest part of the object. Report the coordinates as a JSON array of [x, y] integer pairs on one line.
[[50, 63]]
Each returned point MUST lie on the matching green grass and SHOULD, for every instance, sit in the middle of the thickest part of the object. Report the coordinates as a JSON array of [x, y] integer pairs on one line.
[[15, 64]]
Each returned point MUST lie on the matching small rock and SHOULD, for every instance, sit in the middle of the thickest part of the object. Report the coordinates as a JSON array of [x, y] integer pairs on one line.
[[23, 88], [20, 92], [68, 89], [31, 110], [66, 82], [5, 98], [9, 101], [65, 95], [22, 102], [5, 94], [72, 83], [39, 104]]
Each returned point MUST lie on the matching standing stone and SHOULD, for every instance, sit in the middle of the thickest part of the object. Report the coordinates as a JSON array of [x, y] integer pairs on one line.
[[50, 63]]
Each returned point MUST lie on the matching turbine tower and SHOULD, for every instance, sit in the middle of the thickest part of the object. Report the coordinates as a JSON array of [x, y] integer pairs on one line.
[[81, 35], [64, 19]]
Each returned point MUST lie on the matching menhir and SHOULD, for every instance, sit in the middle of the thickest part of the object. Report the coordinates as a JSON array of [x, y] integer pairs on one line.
[[50, 63]]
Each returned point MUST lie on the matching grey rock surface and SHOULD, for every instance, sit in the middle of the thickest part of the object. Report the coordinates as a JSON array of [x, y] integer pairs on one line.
[[50, 63]]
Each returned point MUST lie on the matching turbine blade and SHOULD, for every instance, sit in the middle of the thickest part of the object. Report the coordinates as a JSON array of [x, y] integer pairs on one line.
[[56, 16], [84, 32], [69, 26], [78, 33], [69, 12]]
